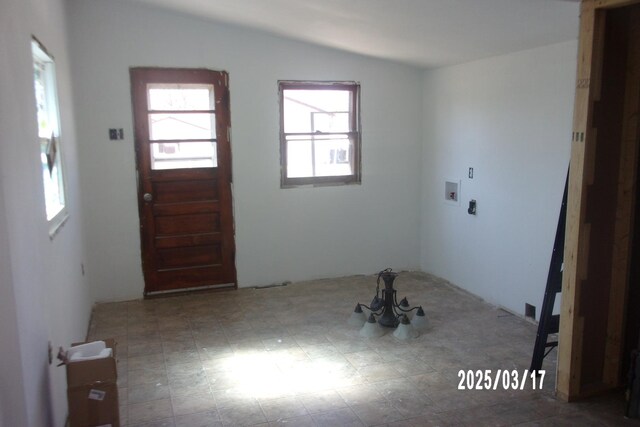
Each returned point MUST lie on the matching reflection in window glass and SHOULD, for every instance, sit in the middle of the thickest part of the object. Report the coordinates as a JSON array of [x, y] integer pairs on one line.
[[48, 123], [318, 156], [180, 97], [182, 126], [307, 111], [183, 155], [329, 122]]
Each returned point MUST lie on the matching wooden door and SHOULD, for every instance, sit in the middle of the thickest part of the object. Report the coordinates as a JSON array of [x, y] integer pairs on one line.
[[183, 159]]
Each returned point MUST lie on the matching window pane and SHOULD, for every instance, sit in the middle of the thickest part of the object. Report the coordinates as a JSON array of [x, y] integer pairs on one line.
[[322, 155], [51, 177], [45, 124], [330, 122], [182, 126], [183, 155], [299, 159], [181, 97], [332, 157], [308, 111]]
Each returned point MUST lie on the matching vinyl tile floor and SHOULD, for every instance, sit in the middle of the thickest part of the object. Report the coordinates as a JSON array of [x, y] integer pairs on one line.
[[287, 356]]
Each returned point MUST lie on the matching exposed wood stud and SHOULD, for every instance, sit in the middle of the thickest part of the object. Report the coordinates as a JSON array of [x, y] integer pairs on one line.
[[591, 329]]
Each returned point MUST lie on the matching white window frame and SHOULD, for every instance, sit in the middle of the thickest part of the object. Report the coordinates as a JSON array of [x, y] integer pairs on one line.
[[54, 189]]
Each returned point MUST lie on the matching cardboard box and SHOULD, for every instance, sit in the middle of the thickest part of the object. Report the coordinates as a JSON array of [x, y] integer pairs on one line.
[[92, 391]]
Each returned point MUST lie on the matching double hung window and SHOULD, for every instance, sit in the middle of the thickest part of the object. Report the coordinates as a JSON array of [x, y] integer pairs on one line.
[[319, 133]]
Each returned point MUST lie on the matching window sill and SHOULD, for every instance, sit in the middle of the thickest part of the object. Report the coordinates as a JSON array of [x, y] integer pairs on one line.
[[57, 222], [308, 183]]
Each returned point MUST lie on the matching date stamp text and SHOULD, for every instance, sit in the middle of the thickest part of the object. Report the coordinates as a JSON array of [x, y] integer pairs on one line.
[[505, 379]]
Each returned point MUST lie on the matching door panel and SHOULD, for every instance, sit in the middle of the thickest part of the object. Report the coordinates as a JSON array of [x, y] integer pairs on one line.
[[194, 256], [179, 225], [185, 191], [184, 168]]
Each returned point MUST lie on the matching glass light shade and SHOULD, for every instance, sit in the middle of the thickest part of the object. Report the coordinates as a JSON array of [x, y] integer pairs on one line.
[[419, 321], [404, 305], [405, 330], [357, 318], [371, 328]]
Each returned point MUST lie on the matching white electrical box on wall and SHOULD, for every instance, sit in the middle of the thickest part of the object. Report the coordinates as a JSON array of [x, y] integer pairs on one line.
[[452, 192]]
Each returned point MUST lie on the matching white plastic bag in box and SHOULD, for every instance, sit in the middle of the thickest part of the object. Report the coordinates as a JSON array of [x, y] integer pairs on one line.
[[89, 351]]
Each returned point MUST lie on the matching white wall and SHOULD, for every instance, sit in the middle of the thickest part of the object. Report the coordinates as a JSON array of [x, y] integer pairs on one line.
[[43, 296], [509, 118], [12, 404], [289, 234]]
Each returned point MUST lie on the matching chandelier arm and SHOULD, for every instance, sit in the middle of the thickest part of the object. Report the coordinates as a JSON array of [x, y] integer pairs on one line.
[[396, 305], [396, 311], [369, 308], [409, 310]]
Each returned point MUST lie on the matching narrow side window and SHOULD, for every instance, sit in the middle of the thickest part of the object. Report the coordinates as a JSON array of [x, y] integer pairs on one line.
[[48, 122]]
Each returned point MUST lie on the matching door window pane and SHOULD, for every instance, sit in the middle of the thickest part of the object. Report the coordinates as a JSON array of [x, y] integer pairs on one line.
[[183, 155], [163, 126], [180, 97]]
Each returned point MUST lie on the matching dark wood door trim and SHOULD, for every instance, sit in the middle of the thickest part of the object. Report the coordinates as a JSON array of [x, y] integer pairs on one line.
[[160, 279]]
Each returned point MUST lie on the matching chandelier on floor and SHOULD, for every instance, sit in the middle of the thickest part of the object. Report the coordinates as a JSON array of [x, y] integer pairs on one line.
[[386, 312]]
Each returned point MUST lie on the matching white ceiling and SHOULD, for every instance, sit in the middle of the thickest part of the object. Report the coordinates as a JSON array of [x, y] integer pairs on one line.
[[427, 33]]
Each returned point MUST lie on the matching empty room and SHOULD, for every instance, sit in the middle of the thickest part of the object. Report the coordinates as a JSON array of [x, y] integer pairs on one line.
[[319, 213]]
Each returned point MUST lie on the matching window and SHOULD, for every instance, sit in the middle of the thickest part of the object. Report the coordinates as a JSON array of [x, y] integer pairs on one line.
[[319, 133], [48, 122], [182, 125]]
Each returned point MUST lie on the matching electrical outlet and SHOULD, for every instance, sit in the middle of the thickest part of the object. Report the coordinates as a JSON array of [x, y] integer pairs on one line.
[[530, 311], [116, 134], [470, 173], [472, 207]]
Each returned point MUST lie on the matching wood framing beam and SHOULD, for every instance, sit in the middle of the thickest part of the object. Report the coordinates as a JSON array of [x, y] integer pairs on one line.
[[592, 312], [577, 235]]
